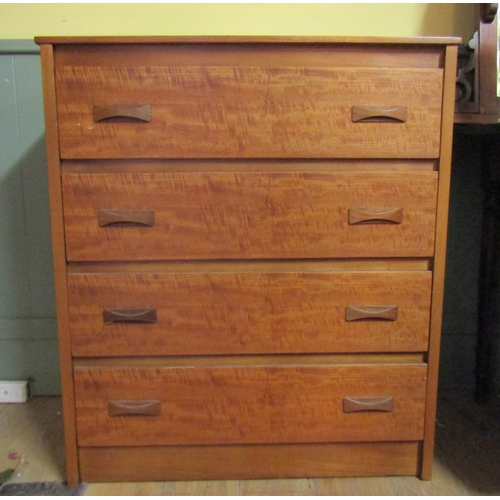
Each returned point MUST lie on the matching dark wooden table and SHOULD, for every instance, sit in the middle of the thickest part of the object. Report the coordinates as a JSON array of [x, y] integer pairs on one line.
[[477, 113], [489, 137]]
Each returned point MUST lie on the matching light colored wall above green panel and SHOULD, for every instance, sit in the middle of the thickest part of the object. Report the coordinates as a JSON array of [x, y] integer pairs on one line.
[[24, 21]]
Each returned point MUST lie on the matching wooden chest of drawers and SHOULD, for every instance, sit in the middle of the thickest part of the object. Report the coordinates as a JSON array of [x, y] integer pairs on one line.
[[249, 241]]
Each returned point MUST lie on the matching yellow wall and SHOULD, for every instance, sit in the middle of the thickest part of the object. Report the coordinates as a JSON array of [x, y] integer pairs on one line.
[[24, 21]]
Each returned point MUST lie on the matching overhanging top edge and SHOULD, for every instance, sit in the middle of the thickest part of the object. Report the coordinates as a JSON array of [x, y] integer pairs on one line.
[[425, 40]]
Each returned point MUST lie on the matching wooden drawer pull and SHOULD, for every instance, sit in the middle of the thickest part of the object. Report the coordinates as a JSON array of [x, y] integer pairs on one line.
[[352, 405], [356, 313], [379, 114], [375, 216], [148, 408], [129, 316], [126, 217], [132, 113]]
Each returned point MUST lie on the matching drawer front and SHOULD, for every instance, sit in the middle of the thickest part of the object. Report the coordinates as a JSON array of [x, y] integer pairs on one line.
[[249, 215], [248, 313], [249, 404], [259, 111]]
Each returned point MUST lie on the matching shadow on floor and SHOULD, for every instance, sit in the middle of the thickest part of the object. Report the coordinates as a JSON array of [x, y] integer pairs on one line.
[[468, 440]]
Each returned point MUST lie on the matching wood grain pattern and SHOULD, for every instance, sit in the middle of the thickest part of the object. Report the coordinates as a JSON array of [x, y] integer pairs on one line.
[[160, 463], [248, 112], [59, 249], [251, 164], [440, 261], [248, 313], [243, 405], [249, 215], [263, 53]]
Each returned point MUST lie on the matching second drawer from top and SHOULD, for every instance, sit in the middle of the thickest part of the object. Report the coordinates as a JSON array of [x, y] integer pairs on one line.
[[248, 215]]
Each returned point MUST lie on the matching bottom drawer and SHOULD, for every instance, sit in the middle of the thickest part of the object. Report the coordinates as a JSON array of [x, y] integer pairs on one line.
[[244, 404]]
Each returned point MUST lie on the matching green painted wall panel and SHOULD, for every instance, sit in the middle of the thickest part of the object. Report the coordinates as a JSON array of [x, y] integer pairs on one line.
[[33, 166], [28, 331], [14, 281], [34, 359]]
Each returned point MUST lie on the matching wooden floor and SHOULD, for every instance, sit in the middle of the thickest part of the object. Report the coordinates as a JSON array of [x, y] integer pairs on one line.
[[467, 457]]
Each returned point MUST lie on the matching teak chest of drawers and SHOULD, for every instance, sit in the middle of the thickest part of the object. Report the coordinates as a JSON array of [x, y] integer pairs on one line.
[[249, 242]]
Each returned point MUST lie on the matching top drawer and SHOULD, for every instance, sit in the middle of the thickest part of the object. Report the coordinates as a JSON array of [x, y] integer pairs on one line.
[[234, 101]]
